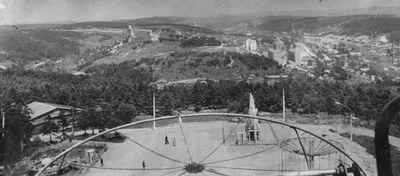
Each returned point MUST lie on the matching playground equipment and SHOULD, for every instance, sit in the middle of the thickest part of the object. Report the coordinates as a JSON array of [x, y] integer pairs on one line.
[[53, 168], [89, 155], [253, 133], [201, 166], [317, 153]]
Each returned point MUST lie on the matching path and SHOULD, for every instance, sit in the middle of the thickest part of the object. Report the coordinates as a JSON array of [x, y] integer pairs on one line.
[[230, 64]]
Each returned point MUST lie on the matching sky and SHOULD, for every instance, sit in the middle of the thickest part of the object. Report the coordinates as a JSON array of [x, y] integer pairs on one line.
[[45, 11]]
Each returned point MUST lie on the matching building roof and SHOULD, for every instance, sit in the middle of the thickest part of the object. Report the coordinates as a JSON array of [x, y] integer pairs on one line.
[[38, 109]]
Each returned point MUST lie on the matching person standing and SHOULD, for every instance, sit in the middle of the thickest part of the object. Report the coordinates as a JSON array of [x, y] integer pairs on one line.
[[166, 140], [174, 142], [144, 165]]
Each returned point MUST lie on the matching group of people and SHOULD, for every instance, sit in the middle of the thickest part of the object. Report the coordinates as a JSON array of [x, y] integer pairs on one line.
[[167, 142]]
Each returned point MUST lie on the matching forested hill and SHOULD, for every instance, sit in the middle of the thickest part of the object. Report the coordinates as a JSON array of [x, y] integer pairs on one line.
[[30, 45], [216, 65], [347, 25]]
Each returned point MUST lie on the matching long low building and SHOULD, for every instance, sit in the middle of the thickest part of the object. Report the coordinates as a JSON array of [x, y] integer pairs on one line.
[[39, 112]]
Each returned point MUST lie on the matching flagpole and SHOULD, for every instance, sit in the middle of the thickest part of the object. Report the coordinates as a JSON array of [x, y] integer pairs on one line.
[[283, 104], [154, 111]]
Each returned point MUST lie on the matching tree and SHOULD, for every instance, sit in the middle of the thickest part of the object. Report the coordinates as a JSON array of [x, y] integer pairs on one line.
[[394, 38], [18, 129], [64, 122], [82, 121], [93, 119], [49, 127], [341, 48], [126, 113]]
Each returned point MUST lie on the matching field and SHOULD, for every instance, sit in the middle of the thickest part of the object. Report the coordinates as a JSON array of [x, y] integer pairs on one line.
[[229, 159]]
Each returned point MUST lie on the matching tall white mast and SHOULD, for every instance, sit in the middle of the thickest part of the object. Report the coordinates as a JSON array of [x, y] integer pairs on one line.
[[4, 120], [283, 104], [154, 111]]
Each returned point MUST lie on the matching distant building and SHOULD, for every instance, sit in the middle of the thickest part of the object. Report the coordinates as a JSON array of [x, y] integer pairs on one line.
[[355, 54], [279, 45], [251, 45], [275, 77], [248, 42], [313, 40], [278, 56], [383, 39], [373, 77]]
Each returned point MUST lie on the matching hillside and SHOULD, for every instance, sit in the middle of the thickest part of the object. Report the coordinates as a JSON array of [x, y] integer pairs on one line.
[[79, 45], [346, 25], [189, 65]]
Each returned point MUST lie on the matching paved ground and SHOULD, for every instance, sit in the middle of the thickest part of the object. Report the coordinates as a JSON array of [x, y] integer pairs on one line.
[[203, 138]]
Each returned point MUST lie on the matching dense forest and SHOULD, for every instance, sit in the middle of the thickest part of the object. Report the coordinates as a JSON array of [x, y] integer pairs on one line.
[[31, 45], [348, 25], [200, 41]]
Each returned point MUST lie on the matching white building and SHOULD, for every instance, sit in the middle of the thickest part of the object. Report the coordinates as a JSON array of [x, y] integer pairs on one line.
[[251, 45], [248, 42]]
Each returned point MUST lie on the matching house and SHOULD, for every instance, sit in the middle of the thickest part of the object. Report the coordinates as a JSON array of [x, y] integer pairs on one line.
[[40, 111], [276, 77], [355, 54]]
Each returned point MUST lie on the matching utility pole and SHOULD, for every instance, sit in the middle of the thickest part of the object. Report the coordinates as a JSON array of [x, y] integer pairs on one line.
[[351, 127], [283, 104], [73, 122], [351, 122], [154, 111], [4, 120]]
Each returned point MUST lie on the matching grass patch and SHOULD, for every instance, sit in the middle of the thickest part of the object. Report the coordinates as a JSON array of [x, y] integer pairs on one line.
[[368, 143]]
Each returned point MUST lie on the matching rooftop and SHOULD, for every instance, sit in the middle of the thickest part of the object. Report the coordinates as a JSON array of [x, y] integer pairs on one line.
[[38, 108]]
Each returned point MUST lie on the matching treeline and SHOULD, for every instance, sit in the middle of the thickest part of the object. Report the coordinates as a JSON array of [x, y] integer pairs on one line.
[[200, 41], [98, 24], [371, 25], [121, 93], [37, 44], [352, 25], [114, 85], [308, 24]]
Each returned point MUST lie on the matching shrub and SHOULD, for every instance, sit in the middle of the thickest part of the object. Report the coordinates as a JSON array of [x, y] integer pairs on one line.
[[332, 130], [197, 109]]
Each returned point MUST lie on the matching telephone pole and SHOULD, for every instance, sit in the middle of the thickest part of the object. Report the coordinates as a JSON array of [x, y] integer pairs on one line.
[[4, 120], [154, 111]]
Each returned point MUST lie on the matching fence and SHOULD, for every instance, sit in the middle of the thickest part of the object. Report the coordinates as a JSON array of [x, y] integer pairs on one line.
[[25, 159]]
